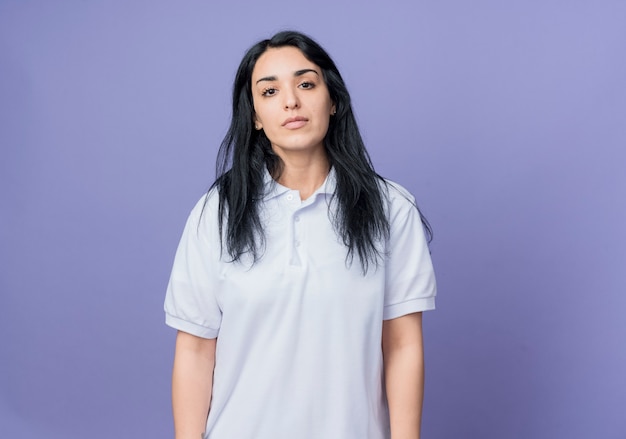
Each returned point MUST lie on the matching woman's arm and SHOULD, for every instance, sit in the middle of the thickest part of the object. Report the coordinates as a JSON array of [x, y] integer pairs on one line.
[[403, 355], [192, 381]]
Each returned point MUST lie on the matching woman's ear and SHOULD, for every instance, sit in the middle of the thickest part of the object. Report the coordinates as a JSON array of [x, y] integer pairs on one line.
[[333, 109], [257, 125]]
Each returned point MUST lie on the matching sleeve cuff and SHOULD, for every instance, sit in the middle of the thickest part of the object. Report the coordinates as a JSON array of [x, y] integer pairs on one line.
[[408, 307], [191, 328]]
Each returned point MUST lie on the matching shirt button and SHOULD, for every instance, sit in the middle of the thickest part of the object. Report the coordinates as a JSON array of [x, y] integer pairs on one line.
[[289, 197], [297, 243], [296, 218]]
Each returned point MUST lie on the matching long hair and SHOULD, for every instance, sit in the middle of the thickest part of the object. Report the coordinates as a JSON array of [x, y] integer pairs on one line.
[[246, 153]]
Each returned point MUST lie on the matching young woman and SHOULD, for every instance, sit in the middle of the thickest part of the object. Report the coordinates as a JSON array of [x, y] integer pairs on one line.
[[300, 278]]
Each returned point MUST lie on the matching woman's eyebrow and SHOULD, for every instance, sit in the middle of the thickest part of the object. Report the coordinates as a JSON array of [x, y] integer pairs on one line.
[[295, 74], [303, 71], [267, 78]]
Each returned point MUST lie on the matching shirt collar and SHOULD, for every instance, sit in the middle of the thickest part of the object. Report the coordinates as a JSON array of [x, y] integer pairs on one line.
[[274, 189]]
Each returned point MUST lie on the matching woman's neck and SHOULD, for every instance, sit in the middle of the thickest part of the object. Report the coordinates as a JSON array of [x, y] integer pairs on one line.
[[304, 173]]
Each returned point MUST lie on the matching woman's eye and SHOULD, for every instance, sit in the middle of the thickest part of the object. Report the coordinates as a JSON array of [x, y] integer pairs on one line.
[[268, 92], [307, 85]]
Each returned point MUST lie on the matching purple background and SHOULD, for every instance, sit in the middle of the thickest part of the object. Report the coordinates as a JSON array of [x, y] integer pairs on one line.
[[507, 119]]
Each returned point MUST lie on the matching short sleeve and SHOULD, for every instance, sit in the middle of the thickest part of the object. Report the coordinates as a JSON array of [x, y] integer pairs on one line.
[[410, 284], [191, 303]]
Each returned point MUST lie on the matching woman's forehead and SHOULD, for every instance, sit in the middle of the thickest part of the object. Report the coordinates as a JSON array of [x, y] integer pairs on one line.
[[282, 61]]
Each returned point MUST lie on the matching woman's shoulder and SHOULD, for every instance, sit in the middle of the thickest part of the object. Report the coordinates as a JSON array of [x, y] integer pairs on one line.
[[402, 209], [398, 197], [206, 209]]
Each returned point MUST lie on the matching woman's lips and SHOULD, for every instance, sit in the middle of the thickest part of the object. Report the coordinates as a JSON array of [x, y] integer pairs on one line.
[[293, 123]]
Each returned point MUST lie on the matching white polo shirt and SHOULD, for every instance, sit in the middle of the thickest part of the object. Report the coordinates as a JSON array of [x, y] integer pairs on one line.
[[299, 333]]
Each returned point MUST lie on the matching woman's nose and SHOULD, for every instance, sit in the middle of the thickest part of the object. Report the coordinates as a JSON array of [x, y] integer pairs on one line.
[[291, 100]]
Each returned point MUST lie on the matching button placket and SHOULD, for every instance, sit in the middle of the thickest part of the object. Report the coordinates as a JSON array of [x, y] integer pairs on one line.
[[293, 198], [297, 229], [294, 203]]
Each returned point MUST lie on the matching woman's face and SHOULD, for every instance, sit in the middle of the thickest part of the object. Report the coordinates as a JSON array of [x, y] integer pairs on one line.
[[291, 101]]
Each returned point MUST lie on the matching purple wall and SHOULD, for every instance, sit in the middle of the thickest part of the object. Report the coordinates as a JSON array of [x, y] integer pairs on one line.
[[506, 119]]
